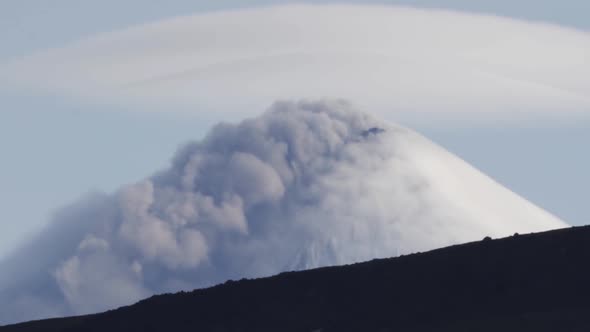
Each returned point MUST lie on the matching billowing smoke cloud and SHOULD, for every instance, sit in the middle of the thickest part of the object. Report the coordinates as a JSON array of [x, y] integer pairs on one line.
[[306, 184]]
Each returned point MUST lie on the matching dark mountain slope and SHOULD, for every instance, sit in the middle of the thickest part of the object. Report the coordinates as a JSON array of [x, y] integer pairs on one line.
[[536, 282]]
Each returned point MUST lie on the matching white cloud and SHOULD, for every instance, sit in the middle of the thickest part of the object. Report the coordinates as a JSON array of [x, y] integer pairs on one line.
[[390, 59]]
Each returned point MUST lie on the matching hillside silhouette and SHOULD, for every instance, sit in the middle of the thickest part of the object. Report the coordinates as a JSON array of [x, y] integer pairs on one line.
[[534, 282]]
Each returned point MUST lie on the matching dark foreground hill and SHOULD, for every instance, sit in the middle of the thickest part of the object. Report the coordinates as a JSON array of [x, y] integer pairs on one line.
[[536, 282]]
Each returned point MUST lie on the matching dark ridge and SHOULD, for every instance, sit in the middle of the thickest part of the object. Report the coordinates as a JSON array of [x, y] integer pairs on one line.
[[535, 282]]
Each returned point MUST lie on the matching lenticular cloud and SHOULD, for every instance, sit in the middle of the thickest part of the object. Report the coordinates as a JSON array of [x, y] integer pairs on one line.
[[306, 184], [391, 59]]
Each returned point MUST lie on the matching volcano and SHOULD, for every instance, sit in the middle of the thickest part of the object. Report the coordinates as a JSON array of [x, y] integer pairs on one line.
[[305, 185]]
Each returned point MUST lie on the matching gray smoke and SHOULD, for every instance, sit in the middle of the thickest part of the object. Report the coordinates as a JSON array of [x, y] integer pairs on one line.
[[306, 184]]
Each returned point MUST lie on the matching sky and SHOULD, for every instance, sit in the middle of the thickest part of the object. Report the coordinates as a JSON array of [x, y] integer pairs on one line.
[[56, 147]]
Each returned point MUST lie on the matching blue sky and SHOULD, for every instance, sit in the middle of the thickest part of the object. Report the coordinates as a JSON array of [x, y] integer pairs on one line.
[[54, 149]]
